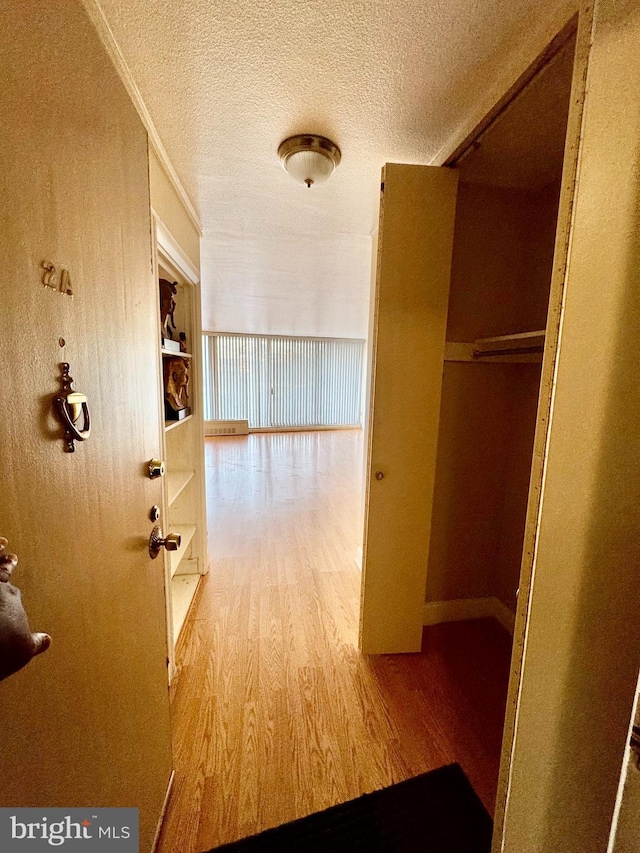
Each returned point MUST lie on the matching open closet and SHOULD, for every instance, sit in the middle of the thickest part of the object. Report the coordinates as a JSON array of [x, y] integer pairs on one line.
[[463, 267], [501, 269]]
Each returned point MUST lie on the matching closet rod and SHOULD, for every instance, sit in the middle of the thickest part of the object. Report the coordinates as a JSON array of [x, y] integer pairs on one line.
[[484, 353]]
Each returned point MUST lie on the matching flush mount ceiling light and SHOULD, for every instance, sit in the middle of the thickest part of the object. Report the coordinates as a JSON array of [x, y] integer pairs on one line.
[[308, 158]]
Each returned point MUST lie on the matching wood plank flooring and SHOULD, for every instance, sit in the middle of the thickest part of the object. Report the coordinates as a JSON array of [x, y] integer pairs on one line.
[[275, 713]]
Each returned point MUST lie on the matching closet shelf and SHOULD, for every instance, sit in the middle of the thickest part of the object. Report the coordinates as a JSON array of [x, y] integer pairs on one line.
[[517, 339], [176, 482], [187, 532], [520, 347]]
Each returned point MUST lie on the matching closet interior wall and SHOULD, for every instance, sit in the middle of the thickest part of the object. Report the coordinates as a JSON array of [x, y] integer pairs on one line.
[[501, 273]]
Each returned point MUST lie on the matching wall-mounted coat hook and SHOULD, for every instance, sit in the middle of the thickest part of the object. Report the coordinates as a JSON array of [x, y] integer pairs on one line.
[[17, 643]]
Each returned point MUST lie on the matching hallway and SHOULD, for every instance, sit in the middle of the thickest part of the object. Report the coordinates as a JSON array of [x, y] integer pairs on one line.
[[275, 713]]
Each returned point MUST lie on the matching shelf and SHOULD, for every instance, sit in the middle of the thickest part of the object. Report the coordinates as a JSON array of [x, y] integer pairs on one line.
[[176, 482], [518, 339], [169, 425], [183, 589], [183, 452], [186, 531], [176, 354], [519, 348]]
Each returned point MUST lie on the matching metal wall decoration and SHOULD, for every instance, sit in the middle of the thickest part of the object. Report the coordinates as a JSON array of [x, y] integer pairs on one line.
[[54, 279], [70, 405], [18, 644]]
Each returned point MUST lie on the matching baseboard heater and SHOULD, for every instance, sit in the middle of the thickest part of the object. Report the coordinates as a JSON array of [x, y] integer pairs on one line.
[[226, 427]]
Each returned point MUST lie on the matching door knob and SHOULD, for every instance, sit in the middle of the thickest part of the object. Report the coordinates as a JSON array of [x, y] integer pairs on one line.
[[379, 475], [156, 468], [171, 542]]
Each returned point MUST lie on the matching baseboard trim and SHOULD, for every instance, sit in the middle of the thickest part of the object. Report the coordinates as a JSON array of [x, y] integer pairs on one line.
[[461, 609], [156, 837], [317, 428], [229, 427]]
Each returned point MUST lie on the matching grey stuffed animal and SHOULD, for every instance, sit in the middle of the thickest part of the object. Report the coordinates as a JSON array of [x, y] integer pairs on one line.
[[17, 643]]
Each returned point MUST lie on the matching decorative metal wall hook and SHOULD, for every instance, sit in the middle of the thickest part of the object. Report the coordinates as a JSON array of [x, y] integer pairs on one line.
[[70, 405]]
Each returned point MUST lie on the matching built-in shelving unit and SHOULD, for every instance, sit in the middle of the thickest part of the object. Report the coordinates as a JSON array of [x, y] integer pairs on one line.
[[169, 425], [521, 347], [183, 590], [176, 482], [186, 532], [175, 354], [183, 451]]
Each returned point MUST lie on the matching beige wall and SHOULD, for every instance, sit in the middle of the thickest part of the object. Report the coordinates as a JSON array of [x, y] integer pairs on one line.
[[524, 384], [502, 258], [501, 273], [316, 286], [167, 205], [487, 421]]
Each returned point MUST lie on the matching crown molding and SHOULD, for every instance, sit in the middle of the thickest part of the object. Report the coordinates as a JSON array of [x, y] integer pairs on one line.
[[98, 19], [169, 248]]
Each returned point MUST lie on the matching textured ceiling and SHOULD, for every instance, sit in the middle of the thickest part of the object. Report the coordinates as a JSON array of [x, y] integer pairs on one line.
[[388, 80]]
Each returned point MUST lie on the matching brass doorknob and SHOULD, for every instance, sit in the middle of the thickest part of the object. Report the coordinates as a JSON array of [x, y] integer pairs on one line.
[[379, 475], [156, 468], [171, 542]]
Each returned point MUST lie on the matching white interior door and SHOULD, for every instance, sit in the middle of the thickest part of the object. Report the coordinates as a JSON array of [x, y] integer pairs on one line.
[[409, 317]]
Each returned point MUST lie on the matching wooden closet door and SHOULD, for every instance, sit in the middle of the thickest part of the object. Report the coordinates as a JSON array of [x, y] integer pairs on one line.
[[87, 722], [409, 318]]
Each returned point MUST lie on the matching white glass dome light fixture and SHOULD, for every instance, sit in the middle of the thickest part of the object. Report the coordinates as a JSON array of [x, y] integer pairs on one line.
[[308, 158]]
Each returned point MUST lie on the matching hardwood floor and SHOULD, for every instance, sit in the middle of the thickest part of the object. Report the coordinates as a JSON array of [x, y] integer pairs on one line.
[[275, 713]]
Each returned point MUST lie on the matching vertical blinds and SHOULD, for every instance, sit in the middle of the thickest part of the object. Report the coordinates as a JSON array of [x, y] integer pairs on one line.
[[282, 382]]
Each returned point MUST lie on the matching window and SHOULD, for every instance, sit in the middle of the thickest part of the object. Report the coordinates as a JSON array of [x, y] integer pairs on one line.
[[283, 382]]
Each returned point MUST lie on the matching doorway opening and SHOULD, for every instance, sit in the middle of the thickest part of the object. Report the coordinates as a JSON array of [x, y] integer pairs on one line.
[[494, 315], [276, 712], [503, 254]]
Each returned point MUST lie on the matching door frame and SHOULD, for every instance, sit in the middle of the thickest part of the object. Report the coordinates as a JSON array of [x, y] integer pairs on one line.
[[558, 818], [582, 25]]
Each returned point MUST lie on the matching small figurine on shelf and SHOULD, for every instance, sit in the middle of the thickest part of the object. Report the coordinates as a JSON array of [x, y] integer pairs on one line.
[[176, 388], [183, 342], [168, 292]]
